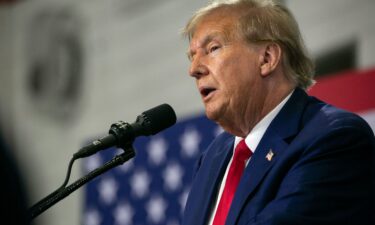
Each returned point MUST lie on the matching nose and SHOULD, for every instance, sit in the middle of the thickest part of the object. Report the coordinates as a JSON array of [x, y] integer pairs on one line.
[[198, 68]]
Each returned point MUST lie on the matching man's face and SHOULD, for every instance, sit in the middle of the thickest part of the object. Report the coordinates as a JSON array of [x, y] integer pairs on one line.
[[226, 69]]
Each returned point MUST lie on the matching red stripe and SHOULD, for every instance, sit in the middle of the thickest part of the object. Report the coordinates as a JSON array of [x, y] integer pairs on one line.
[[353, 91]]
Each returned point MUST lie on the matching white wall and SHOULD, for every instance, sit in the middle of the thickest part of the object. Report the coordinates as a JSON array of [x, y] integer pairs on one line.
[[134, 59], [328, 24]]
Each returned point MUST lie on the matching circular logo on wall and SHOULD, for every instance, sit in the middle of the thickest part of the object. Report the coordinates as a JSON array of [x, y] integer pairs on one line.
[[55, 52]]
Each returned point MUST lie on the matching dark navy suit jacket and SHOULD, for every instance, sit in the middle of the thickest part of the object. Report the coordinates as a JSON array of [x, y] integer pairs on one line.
[[322, 171]]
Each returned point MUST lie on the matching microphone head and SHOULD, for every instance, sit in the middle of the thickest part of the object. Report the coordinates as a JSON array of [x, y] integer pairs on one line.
[[157, 119]]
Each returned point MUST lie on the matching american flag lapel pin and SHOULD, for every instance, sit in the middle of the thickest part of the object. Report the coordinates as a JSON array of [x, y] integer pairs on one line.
[[270, 155]]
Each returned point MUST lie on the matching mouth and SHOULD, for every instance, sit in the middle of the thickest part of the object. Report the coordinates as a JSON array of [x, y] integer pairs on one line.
[[206, 92]]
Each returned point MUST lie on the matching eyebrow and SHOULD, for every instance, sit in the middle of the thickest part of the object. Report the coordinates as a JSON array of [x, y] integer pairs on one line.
[[205, 41]]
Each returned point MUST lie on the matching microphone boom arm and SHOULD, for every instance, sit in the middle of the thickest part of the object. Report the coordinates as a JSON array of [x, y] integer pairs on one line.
[[40, 207]]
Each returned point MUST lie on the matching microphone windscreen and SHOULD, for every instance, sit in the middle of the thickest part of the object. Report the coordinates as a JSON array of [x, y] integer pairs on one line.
[[159, 118]]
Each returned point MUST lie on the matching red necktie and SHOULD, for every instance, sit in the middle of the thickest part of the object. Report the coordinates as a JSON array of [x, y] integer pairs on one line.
[[241, 154]]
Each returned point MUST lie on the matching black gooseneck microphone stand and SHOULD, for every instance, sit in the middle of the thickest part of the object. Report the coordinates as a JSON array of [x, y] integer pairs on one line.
[[63, 192], [117, 130], [122, 135]]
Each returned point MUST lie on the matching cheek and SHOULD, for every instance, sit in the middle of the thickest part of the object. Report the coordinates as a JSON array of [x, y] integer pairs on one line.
[[243, 82], [248, 72], [234, 73], [225, 74]]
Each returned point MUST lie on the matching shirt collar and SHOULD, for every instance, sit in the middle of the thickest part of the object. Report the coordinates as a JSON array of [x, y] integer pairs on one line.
[[253, 138]]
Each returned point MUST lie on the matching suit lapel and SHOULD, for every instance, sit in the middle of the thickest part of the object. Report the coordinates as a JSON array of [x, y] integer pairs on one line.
[[269, 150], [206, 188], [257, 168]]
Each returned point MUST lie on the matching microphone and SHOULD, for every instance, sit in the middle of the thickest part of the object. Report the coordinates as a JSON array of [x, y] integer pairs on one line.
[[122, 134]]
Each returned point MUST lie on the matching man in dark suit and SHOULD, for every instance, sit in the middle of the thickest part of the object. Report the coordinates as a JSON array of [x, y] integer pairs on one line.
[[285, 158]]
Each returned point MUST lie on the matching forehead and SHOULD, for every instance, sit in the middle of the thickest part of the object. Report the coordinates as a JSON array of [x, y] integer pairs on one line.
[[215, 24]]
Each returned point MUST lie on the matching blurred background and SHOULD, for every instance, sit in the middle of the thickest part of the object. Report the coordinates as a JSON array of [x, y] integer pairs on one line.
[[69, 69]]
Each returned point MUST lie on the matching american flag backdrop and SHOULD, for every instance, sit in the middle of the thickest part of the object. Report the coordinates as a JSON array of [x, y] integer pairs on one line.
[[152, 187]]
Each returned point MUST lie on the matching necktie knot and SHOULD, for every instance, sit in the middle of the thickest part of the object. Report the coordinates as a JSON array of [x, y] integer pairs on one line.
[[242, 152]]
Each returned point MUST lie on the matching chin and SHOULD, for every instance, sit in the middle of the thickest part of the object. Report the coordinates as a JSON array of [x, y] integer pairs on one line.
[[212, 114], [216, 110]]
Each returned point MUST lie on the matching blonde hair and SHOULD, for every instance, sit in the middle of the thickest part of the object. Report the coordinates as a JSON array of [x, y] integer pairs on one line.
[[266, 20]]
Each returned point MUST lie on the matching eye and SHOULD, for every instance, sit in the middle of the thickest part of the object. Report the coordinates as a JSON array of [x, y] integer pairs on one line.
[[214, 48]]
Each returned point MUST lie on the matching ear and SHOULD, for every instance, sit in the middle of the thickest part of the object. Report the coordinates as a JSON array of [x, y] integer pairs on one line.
[[270, 59]]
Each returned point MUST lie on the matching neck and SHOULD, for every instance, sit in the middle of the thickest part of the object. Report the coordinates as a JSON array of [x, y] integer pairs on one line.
[[274, 93]]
